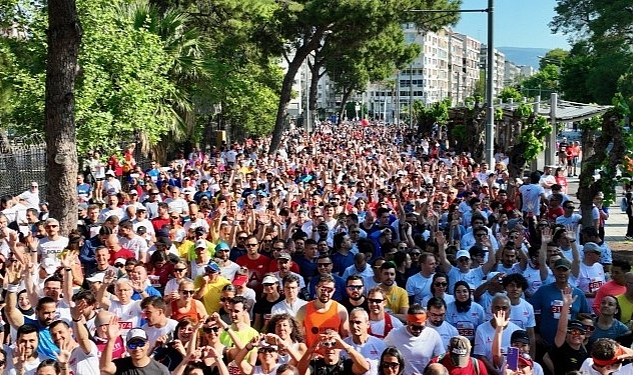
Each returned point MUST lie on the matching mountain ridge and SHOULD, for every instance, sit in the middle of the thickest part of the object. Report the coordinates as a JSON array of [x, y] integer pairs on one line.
[[524, 56]]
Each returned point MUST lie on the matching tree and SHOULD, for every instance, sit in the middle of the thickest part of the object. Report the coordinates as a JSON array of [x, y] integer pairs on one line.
[[296, 29], [64, 38], [542, 83], [556, 57], [510, 93]]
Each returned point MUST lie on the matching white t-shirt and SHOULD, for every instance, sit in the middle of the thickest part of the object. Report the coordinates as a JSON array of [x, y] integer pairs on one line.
[[445, 330], [419, 287], [484, 336], [523, 315], [590, 278], [371, 350], [465, 322], [137, 245], [378, 326], [81, 363], [129, 315], [48, 248], [229, 271], [282, 307], [153, 333], [531, 196], [587, 368], [417, 350]]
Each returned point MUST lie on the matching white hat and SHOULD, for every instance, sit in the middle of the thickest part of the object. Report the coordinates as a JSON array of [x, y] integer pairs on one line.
[[462, 253], [180, 235], [110, 173], [120, 260], [136, 333], [269, 279], [96, 278], [188, 191], [49, 265], [201, 244]]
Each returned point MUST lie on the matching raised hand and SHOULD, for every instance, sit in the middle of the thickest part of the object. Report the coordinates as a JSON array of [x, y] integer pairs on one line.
[[500, 319], [77, 311], [14, 273], [113, 330], [546, 235], [567, 296]]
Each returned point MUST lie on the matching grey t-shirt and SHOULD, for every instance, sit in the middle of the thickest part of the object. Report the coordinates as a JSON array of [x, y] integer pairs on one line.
[[124, 366]]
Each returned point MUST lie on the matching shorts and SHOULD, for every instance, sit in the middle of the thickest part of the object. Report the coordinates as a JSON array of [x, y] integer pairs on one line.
[[100, 179]]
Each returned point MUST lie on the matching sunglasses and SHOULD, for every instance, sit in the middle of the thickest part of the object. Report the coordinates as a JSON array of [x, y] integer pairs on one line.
[[323, 264], [375, 300], [251, 245], [134, 345], [326, 290], [278, 249], [575, 332], [267, 349], [329, 344], [415, 327], [440, 284], [225, 299], [189, 292], [390, 365], [179, 269], [210, 329], [355, 287], [589, 328]]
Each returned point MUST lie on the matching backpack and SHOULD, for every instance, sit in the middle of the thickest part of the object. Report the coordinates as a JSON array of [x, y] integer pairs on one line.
[[624, 204]]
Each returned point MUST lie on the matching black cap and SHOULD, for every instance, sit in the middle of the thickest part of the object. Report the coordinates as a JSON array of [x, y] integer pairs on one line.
[[164, 241], [520, 336], [575, 324]]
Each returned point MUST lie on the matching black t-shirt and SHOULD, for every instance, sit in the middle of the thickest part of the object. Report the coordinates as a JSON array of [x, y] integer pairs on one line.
[[566, 358], [124, 366], [343, 367], [263, 306], [349, 307]]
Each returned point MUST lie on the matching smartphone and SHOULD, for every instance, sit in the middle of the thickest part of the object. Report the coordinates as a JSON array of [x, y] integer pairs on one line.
[[513, 358]]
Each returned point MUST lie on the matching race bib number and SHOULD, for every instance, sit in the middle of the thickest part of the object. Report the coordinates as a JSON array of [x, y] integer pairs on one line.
[[466, 329], [556, 308], [125, 325], [594, 284]]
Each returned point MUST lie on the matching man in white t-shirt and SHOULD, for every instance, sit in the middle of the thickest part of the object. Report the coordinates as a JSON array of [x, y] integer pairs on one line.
[[31, 196], [83, 352], [591, 276], [128, 239], [436, 311], [159, 327], [128, 311], [53, 244], [532, 195]]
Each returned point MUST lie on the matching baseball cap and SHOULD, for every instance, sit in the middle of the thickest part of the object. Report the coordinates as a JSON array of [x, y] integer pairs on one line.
[[164, 241], [520, 336], [136, 333], [240, 280], [222, 246], [49, 265], [591, 247], [462, 253], [477, 250], [212, 266], [459, 350], [526, 360], [120, 261], [562, 262], [284, 255], [133, 192], [110, 173], [97, 277], [576, 324], [201, 244], [269, 280]]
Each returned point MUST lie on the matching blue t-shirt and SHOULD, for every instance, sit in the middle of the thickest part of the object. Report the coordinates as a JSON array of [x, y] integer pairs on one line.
[[547, 300], [46, 347]]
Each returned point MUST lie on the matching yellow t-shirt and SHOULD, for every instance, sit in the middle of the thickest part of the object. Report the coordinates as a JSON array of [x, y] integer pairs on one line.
[[396, 299], [212, 293], [626, 309]]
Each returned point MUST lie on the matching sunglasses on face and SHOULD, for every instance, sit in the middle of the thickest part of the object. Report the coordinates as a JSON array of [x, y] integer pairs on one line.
[[210, 329], [375, 300], [134, 345], [575, 332], [187, 292], [390, 365], [267, 349], [179, 269], [329, 344], [589, 328], [354, 287], [440, 284], [415, 327]]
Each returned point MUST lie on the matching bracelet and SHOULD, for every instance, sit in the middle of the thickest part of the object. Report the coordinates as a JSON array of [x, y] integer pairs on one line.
[[12, 288], [76, 320]]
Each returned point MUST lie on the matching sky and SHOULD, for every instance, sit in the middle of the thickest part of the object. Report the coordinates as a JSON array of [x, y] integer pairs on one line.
[[517, 23]]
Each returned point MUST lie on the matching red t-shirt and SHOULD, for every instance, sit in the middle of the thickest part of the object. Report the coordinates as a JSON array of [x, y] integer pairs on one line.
[[553, 213], [468, 370], [122, 253], [257, 268], [158, 223]]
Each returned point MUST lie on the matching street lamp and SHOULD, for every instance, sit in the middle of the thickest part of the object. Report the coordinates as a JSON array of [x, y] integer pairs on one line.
[[490, 127]]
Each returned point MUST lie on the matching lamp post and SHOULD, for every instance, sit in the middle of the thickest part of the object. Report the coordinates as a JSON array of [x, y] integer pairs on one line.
[[489, 154]]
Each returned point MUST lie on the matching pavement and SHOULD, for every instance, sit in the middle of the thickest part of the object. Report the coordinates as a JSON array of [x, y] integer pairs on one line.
[[615, 228]]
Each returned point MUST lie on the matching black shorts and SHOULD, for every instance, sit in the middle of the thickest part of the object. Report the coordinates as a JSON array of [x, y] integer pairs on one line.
[[100, 179]]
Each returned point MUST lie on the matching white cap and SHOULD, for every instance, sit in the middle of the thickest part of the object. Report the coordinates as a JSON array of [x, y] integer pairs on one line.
[[49, 265], [269, 279], [462, 253], [180, 235], [96, 278], [201, 244]]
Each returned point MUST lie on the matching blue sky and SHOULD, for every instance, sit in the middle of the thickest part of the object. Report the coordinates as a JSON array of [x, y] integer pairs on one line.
[[517, 23]]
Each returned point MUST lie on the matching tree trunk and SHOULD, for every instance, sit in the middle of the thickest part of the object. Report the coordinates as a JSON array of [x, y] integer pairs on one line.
[[344, 98], [64, 38], [312, 42], [314, 85], [599, 151]]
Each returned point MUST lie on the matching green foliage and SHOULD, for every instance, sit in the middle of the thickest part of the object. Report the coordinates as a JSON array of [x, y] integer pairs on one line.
[[556, 57], [510, 93], [498, 113], [459, 132], [532, 135], [523, 111], [542, 83]]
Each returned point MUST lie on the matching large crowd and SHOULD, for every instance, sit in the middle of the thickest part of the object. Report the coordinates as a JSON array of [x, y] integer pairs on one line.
[[352, 250]]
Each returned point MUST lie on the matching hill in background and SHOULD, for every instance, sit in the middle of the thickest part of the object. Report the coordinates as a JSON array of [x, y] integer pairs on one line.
[[523, 56]]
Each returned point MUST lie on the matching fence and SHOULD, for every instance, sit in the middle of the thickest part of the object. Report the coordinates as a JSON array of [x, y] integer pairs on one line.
[[22, 160]]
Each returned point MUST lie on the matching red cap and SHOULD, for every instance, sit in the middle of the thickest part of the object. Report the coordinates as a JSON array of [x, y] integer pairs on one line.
[[240, 280]]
